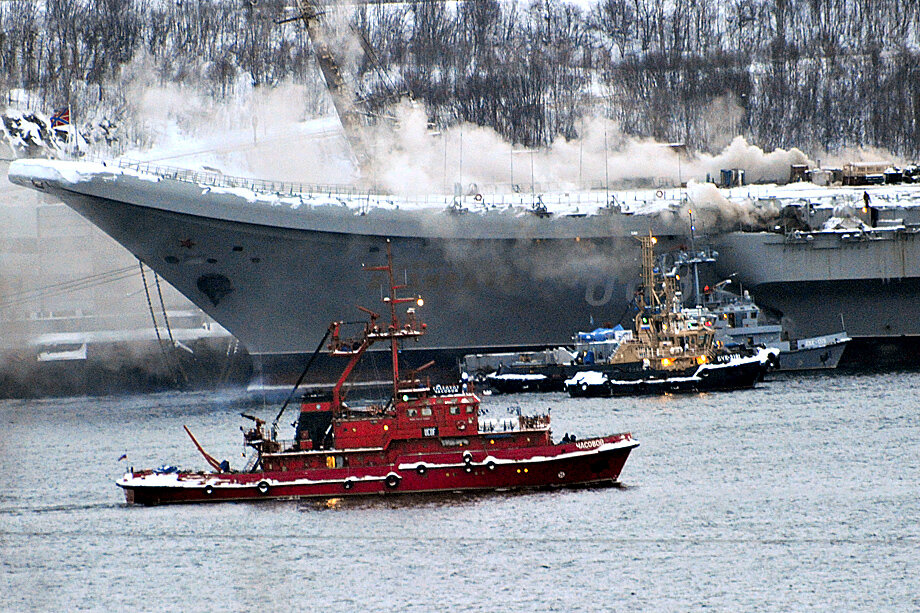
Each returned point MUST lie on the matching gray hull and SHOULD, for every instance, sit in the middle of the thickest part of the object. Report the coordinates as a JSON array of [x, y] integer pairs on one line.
[[817, 358], [870, 288], [275, 276]]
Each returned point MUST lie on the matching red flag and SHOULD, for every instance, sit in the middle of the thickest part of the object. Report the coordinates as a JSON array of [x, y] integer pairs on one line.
[[61, 117]]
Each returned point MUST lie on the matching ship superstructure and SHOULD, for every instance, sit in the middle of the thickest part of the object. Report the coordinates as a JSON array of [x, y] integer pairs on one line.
[[834, 264]]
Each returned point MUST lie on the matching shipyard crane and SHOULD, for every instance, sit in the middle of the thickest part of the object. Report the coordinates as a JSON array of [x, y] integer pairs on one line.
[[342, 100], [346, 106]]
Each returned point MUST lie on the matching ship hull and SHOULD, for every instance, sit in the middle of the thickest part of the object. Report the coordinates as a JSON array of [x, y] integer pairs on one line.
[[816, 358], [275, 278], [868, 288], [741, 373], [270, 270], [593, 462]]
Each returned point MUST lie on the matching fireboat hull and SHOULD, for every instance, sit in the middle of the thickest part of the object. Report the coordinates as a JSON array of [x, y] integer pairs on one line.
[[591, 462]]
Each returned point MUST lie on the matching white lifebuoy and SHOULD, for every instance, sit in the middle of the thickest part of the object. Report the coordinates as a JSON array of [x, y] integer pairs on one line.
[[660, 193], [478, 197]]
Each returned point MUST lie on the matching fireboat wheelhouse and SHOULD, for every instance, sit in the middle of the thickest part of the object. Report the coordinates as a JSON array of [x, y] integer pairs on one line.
[[423, 439]]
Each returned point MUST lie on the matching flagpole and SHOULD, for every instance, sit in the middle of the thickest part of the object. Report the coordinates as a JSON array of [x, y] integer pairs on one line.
[[71, 131]]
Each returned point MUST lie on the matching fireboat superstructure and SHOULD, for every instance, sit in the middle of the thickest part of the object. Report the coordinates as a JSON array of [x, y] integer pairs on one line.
[[422, 439]]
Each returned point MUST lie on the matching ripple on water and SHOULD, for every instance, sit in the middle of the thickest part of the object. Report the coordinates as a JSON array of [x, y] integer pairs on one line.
[[798, 494]]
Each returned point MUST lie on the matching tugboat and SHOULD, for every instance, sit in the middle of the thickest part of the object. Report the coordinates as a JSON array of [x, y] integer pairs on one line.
[[670, 349], [423, 439]]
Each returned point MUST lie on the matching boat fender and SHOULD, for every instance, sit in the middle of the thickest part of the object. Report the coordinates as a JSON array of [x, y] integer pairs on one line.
[[421, 469], [208, 490], [392, 481], [348, 484], [467, 458], [468, 469], [262, 487], [490, 465]]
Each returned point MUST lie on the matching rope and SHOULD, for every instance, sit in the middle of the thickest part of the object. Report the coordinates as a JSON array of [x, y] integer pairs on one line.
[[232, 348], [156, 326], [172, 341], [66, 287]]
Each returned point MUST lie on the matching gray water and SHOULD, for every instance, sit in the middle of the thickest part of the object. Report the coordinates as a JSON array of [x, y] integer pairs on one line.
[[801, 494]]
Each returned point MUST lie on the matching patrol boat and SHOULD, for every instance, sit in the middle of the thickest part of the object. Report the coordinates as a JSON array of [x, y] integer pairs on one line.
[[422, 439]]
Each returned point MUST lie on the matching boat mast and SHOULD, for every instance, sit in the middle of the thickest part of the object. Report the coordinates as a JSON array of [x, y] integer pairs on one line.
[[394, 320], [650, 296], [696, 273], [396, 331]]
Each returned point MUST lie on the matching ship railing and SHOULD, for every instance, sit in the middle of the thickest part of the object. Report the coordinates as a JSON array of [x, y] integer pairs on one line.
[[287, 444], [534, 422], [514, 423], [218, 179], [473, 197]]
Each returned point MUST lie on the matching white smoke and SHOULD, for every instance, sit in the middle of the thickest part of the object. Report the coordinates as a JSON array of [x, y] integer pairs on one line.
[[758, 165], [712, 211], [412, 158]]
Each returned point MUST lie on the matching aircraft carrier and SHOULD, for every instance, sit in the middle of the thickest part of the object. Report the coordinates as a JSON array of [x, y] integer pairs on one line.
[[859, 273], [274, 263]]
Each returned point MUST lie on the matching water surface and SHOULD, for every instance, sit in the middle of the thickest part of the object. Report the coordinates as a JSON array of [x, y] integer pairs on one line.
[[799, 494]]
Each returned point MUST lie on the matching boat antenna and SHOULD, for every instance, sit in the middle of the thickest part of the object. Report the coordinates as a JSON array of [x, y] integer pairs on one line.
[[300, 378], [696, 273], [392, 300]]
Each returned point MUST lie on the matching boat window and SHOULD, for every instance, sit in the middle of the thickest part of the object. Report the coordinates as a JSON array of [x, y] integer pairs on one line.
[[426, 411], [412, 412], [454, 410], [469, 409]]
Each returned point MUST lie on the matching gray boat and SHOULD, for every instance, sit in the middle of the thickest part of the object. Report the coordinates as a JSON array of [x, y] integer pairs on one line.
[[738, 322]]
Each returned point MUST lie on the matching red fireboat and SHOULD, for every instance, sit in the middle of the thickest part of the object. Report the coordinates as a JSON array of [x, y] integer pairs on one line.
[[424, 439]]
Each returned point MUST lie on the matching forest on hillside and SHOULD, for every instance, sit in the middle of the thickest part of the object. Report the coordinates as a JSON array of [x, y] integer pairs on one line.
[[818, 74]]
